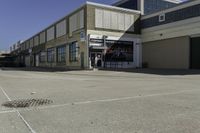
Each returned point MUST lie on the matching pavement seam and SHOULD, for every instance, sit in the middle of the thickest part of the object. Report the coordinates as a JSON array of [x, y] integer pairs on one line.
[[19, 114]]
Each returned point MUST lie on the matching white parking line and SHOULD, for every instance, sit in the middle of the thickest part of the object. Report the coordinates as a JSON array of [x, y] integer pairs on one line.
[[89, 102], [5, 94], [19, 114], [7, 111], [108, 100]]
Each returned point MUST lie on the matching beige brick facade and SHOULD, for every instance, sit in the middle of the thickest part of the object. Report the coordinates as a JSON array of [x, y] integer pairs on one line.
[[79, 25]]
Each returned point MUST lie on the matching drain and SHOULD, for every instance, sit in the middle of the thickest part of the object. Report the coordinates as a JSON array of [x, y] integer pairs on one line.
[[23, 103]]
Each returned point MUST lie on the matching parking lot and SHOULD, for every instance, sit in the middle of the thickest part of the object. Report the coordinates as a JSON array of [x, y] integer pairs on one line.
[[102, 102]]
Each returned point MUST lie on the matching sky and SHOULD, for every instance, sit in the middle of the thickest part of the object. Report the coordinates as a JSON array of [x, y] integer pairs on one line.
[[21, 19]]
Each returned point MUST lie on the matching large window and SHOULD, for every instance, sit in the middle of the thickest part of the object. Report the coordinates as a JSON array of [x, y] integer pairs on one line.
[[51, 33], [114, 20], [119, 51], [50, 55], [61, 54], [151, 6], [61, 28], [42, 37], [76, 22], [36, 40], [73, 51]]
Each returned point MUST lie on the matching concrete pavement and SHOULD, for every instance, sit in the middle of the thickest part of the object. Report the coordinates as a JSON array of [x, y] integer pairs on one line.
[[102, 102]]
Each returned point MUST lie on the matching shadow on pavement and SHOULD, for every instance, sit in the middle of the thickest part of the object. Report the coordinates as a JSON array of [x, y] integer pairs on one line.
[[158, 71], [36, 69], [142, 71]]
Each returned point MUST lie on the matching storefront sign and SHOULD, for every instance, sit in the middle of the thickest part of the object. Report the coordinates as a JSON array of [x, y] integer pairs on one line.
[[93, 40]]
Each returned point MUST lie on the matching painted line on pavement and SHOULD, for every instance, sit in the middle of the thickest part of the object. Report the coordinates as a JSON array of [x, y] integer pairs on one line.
[[19, 114], [8, 111], [94, 101], [106, 100]]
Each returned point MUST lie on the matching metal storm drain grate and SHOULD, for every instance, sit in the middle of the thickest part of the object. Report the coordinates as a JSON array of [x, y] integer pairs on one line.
[[27, 103]]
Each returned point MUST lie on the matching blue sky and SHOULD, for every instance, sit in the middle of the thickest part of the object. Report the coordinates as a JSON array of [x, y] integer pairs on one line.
[[20, 19]]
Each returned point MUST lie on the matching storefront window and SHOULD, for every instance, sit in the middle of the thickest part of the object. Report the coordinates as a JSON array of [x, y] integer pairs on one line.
[[50, 55], [119, 51], [73, 51], [61, 54]]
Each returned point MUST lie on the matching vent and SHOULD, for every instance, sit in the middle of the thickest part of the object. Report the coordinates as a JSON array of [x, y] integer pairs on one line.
[[24, 103]]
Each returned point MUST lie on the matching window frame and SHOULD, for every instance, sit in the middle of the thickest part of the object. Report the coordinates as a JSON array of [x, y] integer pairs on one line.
[[73, 51], [50, 55], [61, 53]]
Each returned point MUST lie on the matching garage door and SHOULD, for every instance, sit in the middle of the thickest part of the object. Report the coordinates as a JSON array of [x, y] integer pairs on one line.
[[195, 53], [170, 53]]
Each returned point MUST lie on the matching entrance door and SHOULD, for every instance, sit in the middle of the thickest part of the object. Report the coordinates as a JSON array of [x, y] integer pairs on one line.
[[195, 54], [82, 60], [96, 59], [92, 56], [99, 59]]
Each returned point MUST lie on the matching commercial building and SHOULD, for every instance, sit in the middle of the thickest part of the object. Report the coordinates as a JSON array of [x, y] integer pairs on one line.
[[147, 6], [6, 59], [128, 34], [93, 35], [171, 37]]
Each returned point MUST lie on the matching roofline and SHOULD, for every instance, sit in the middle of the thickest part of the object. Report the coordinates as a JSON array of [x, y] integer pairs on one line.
[[119, 2], [44, 29], [174, 1], [177, 7], [112, 7], [122, 1]]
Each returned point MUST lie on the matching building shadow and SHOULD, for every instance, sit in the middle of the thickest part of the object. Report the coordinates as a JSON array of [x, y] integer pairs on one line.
[[143, 69], [35, 69], [163, 72]]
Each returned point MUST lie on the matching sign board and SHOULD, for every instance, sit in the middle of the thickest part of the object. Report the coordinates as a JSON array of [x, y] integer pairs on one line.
[[82, 36], [94, 40]]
